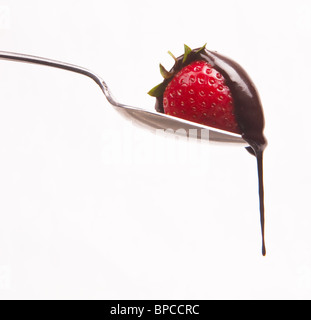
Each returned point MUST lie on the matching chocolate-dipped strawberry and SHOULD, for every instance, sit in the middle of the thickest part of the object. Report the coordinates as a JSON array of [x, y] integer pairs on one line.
[[211, 89]]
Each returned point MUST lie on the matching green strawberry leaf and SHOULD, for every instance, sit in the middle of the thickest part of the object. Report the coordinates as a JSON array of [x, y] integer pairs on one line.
[[157, 91], [202, 48], [165, 74], [170, 53], [187, 53]]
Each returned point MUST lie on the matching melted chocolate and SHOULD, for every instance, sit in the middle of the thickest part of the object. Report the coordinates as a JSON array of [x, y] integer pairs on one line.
[[247, 108]]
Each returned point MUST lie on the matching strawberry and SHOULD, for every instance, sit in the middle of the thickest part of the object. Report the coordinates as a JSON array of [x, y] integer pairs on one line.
[[193, 90]]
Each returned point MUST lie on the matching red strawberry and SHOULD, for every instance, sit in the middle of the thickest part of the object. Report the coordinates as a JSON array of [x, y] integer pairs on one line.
[[197, 92]]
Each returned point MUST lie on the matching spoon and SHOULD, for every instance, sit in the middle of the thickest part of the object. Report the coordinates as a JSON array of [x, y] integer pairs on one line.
[[147, 119]]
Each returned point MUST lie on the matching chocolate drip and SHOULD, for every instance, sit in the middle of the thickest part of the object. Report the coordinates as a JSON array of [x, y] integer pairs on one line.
[[247, 108], [249, 115], [259, 157]]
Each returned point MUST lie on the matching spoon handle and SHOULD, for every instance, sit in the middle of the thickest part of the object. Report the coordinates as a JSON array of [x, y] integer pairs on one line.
[[18, 57]]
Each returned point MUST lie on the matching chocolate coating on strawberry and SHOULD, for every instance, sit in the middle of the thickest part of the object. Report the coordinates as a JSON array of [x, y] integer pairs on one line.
[[247, 105]]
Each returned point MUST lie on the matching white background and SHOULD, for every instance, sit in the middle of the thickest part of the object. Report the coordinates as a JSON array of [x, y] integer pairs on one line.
[[87, 211]]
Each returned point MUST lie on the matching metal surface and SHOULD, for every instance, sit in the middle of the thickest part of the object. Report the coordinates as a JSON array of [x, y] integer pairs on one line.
[[147, 119]]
